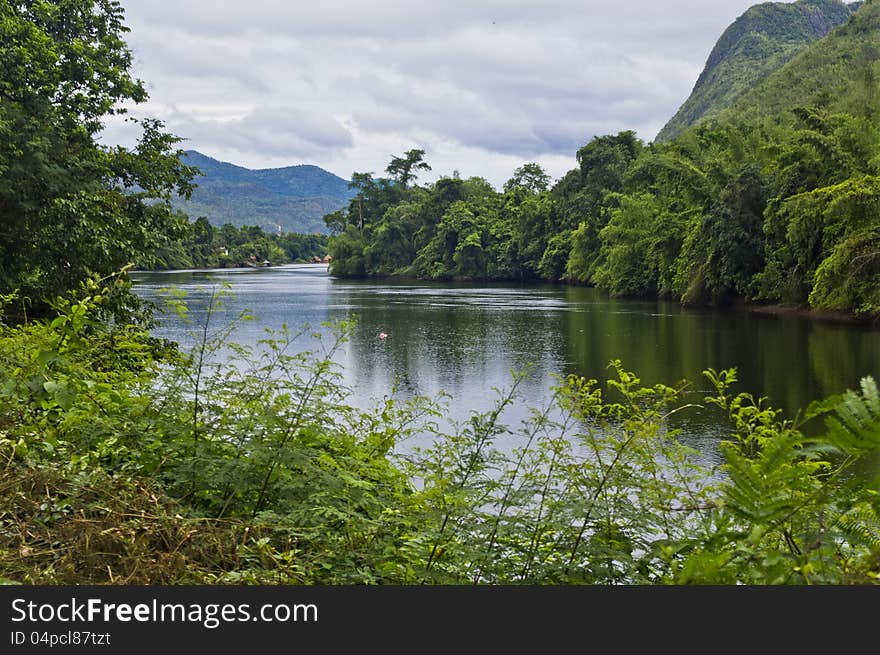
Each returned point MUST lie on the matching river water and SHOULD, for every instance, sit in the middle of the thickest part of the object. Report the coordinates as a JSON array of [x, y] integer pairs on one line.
[[465, 339]]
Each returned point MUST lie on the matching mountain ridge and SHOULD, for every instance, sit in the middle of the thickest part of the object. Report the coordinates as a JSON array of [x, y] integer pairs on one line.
[[290, 198], [758, 43], [837, 73]]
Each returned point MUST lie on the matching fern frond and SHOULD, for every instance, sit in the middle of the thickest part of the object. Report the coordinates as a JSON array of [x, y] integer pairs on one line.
[[861, 526], [854, 426], [871, 395]]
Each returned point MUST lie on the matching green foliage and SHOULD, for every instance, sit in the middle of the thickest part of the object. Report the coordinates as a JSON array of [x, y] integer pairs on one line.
[[782, 210], [466, 229], [837, 74], [580, 499], [555, 257], [69, 206], [201, 245], [393, 240], [758, 43], [451, 229], [264, 443], [126, 461], [404, 170], [530, 177], [586, 200], [634, 246], [347, 251], [796, 512], [456, 249], [848, 216], [722, 254]]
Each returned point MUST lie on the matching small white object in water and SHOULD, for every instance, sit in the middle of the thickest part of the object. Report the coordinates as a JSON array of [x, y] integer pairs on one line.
[[383, 336]]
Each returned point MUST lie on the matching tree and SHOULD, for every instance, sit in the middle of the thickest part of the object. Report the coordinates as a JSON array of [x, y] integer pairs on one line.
[[629, 241], [336, 221], [724, 250], [405, 169], [69, 206], [530, 177], [531, 218], [581, 197], [363, 208], [604, 160], [202, 239]]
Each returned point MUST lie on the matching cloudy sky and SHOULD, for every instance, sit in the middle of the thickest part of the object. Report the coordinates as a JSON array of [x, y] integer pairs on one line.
[[482, 86]]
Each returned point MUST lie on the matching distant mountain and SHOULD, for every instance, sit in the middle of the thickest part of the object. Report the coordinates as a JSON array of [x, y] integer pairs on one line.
[[759, 42], [295, 197]]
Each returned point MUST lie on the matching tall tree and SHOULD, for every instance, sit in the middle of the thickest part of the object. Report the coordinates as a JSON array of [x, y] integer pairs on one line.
[[405, 169], [530, 177], [69, 206]]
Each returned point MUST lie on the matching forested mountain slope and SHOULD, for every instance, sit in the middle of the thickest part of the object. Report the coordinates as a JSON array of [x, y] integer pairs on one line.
[[758, 43], [294, 197], [837, 74]]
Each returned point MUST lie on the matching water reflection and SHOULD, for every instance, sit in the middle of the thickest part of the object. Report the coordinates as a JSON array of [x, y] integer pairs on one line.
[[466, 339], [460, 340]]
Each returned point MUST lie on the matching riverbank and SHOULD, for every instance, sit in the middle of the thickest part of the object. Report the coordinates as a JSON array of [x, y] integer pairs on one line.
[[766, 309], [230, 268], [809, 313]]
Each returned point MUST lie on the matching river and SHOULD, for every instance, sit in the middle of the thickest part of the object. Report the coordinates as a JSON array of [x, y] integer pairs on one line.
[[465, 339]]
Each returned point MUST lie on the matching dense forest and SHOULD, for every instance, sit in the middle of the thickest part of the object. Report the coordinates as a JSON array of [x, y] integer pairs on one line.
[[125, 459], [775, 199], [202, 245]]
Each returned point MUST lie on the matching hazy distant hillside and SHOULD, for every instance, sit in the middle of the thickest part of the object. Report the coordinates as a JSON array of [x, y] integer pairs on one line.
[[295, 197], [758, 43]]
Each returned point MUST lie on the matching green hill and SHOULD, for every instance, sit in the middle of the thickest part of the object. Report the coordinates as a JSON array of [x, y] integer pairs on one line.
[[758, 43], [840, 73], [296, 198]]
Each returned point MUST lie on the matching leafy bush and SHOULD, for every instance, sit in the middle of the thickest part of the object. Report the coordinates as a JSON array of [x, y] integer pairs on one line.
[[127, 461]]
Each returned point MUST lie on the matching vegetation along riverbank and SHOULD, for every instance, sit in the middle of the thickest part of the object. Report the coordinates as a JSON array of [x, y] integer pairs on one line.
[[127, 459], [773, 199]]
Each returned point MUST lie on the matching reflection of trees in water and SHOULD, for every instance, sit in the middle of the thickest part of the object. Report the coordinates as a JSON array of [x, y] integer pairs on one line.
[[642, 335], [790, 360], [841, 355], [465, 339], [462, 341]]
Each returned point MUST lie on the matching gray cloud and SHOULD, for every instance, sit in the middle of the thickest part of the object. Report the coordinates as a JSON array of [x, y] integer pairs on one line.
[[497, 81], [275, 132], [197, 60]]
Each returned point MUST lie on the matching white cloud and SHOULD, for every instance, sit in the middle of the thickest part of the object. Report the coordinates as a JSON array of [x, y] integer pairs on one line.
[[482, 87]]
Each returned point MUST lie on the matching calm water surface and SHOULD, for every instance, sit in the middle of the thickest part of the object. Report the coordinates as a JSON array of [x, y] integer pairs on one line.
[[465, 339]]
